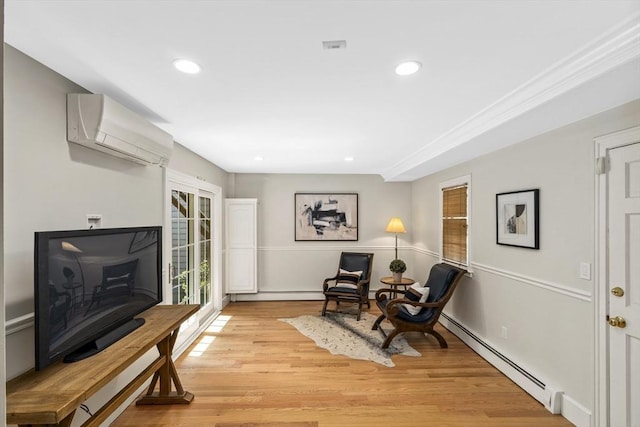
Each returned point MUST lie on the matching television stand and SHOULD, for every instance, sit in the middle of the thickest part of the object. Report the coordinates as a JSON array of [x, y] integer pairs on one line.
[[51, 396]]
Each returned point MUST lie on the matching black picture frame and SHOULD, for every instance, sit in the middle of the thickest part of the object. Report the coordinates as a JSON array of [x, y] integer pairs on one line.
[[327, 217], [518, 219]]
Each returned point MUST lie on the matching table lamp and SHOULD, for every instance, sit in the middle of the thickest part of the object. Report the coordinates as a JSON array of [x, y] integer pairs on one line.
[[396, 226]]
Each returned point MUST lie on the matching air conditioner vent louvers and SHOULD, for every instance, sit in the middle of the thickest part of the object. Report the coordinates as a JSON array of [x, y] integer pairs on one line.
[[98, 122], [334, 44]]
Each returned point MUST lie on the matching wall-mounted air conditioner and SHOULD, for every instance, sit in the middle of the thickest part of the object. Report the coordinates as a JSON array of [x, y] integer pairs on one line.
[[98, 122]]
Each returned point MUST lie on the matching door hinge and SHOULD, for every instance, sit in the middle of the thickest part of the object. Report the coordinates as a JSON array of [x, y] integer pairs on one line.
[[601, 165]]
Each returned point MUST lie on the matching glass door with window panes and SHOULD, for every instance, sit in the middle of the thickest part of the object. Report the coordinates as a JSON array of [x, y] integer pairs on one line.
[[205, 203], [183, 247], [193, 244]]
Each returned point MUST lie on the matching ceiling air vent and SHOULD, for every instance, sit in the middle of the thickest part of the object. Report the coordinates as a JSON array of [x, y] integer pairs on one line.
[[334, 44]]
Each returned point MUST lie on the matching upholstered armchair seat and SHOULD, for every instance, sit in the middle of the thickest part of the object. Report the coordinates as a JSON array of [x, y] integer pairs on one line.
[[442, 281], [398, 310], [351, 282], [342, 290]]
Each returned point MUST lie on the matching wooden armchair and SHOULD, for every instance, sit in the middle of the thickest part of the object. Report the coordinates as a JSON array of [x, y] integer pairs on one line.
[[351, 282], [442, 281]]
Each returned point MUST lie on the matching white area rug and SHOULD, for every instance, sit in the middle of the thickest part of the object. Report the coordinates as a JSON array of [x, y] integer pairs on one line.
[[343, 334]]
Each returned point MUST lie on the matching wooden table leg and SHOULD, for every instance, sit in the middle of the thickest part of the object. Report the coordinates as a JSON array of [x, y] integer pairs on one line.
[[166, 375]]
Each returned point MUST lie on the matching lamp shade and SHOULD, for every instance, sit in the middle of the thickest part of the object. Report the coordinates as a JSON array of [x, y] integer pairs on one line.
[[395, 226]]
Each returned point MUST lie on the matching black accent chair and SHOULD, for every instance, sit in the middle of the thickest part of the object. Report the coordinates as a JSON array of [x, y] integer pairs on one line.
[[442, 281], [352, 288]]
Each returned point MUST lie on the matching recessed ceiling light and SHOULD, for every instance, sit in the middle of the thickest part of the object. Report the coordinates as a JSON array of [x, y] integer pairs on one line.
[[258, 158], [408, 68], [186, 66], [348, 159]]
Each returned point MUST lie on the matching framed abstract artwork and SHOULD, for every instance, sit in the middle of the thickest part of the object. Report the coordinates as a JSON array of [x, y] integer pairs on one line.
[[517, 219], [326, 216]]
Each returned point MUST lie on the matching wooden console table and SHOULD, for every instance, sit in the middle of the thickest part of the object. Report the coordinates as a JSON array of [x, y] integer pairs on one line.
[[51, 396]]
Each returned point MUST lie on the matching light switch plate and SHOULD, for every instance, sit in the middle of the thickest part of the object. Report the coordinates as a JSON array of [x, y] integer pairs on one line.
[[585, 270]]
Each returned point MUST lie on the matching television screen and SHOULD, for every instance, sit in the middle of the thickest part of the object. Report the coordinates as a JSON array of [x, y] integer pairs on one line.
[[89, 285]]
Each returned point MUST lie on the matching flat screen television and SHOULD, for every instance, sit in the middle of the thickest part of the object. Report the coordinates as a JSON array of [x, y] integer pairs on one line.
[[90, 285]]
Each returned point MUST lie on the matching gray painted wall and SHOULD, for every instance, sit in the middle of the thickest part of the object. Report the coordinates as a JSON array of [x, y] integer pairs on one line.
[[549, 312], [186, 161], [285, 265], [536, 294], [50, 184]]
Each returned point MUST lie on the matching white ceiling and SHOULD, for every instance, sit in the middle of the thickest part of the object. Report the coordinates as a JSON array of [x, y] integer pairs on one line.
[[494, 73]]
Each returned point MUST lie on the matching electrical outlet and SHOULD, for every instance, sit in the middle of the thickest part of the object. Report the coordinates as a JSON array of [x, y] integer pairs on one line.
[[94, 221], [504, 333]]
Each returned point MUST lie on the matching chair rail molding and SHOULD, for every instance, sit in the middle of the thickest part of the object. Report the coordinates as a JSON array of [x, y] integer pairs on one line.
[[559, 288], [428, 252], [540, 283], [19, 323]]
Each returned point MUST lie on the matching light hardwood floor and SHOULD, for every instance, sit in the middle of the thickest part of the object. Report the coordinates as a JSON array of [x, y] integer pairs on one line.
[[258, 371]]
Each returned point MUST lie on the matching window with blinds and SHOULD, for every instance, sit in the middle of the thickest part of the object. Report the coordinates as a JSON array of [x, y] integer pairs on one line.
[[455, 224]]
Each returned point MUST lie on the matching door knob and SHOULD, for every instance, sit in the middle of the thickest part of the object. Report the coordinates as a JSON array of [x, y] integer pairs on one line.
[[617, 291], [617, 321]]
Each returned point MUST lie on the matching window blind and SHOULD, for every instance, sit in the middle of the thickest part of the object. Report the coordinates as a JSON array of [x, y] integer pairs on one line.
[[454, 224]]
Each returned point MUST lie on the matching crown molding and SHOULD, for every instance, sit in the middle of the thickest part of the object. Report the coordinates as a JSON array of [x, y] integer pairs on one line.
[[618, 46]]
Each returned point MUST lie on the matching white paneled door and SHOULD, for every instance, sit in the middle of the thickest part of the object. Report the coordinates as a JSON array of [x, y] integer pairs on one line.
[[242, 241], [623, 283]]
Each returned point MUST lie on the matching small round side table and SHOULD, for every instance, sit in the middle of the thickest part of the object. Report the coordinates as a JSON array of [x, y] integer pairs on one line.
[[405, 282]]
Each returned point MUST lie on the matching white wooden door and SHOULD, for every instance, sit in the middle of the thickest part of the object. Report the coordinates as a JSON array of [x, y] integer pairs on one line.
[[242, 239], [624, 285]]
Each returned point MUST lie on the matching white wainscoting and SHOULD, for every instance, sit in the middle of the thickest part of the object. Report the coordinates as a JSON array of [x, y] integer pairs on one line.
[[550, 395], [532, 281]]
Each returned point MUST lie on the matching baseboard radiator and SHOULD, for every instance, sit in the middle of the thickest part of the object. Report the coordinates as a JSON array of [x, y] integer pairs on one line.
[[544, 393]]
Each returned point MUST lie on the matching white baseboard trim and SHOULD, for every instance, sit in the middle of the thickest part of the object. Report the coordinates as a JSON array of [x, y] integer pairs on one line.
[[279, 296], [284, 296], [576, 413], [549, 395], [328, 248]]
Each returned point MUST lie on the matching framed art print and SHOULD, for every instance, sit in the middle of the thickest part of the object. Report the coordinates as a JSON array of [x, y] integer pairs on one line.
[[517, 219], [326, 216]]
